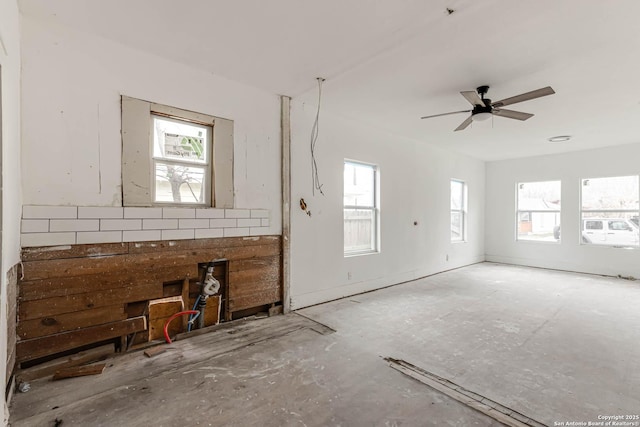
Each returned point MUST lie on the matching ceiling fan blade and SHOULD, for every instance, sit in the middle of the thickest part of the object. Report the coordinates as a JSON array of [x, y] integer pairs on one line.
[[445, 114], [464, 124], [472, 97], [524, 97], [510, 114]]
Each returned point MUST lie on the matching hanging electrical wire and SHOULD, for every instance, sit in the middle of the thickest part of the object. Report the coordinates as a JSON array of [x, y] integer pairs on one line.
[[315, 130]]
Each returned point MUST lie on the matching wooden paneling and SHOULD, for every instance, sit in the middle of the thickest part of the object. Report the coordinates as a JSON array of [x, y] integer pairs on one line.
[[55, 324], [12, 308], [254, 300], [62, 286], [75, 251], [72, 303], [52, 344], [69, 293]]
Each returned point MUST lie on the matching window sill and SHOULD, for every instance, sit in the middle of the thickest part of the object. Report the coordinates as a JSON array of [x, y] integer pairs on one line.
[[360, 253], [611, 246]]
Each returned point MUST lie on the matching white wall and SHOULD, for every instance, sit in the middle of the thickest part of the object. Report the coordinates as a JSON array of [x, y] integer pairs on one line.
[[11, 203], [71, 90], [570, 168], [414, 186]]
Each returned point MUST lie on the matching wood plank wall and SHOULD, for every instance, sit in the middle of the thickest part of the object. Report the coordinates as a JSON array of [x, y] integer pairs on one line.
[[12, 307], [75, 296]]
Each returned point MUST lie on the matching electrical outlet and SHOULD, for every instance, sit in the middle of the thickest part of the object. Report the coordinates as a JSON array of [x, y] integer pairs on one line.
[[447, 257], [349, 275]]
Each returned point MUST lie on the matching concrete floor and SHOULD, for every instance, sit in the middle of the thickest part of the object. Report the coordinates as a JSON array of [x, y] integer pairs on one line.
[[551, 345]]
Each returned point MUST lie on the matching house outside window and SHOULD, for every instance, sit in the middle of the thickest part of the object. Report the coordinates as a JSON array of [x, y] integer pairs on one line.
[[538, 211], [361, 208], [609, 211], [458, 211]]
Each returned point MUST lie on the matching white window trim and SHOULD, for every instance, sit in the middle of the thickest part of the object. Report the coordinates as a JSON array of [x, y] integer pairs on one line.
[[137, 158], [375, 209], [462, 211], [209, 190]]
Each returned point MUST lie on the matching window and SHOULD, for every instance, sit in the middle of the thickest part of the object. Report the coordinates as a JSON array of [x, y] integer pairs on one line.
[[181, 161], [610, 211], [360, 208], [458, 211], [538, 211], [174, 157]]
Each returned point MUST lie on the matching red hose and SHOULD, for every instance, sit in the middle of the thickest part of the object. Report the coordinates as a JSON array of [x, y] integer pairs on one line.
[[166, 324]]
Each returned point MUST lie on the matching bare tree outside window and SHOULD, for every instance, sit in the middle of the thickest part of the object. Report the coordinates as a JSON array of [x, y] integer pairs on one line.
[[182, 161]]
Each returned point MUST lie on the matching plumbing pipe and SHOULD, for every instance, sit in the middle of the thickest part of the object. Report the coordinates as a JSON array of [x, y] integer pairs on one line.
[[193, 317], [166, 324]]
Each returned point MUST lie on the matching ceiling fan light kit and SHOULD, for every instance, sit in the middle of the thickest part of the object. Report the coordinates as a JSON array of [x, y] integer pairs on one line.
[[481, 117], [483, 108]]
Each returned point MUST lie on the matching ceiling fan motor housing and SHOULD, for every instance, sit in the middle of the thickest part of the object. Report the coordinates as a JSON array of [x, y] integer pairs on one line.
[[486, 109]]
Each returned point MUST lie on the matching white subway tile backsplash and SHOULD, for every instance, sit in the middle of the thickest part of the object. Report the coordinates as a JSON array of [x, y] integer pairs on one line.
[[74, 225], [99, 212], [221, 223], [67, 225], [48, 212], [47, 239], [178, 234], [236, 232], [178, 213], [98, 237], [120, 224], [259, 213], [253, 222], [159, 224], [208, 233], [143, 213], [237, 213], [209, 213], [141, 236], [35, 225], [193, 223]]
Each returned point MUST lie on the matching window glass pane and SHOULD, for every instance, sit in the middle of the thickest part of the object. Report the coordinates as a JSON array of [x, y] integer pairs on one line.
[[458, 209], [179, 183], [359, 230], [539, 211], [174, 139], [359, 185], [617, 193], [457, 188], [457, 230], [610, 211]]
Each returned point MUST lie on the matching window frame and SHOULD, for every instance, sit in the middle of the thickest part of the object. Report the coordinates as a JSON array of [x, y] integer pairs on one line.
[[530, 212], [207, 164], [374, 209], [138, 163], [462, 211]]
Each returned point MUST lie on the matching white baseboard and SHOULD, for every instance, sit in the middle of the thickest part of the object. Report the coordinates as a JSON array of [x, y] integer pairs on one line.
[[349, 289]]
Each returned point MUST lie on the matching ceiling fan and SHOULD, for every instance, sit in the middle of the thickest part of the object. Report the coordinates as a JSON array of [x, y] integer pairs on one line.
[[483, 108]]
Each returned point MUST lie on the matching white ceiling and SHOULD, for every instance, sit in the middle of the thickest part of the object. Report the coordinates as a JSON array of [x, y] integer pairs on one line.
[[387, 63]]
